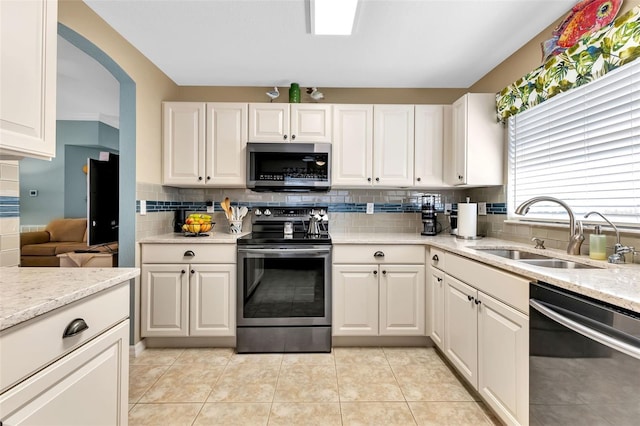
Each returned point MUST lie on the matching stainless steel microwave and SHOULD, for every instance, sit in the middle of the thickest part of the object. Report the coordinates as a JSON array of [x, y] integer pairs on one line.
[[288, 167]]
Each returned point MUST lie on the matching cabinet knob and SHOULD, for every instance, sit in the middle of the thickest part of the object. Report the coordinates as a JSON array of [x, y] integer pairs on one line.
[[76, 326], [378, 254], [470, 298], [477, 302], [418, 179], [435, 258], [384, 272], [293, 137], [285, 137], [368, 179], [377, 179], [460, 177], [375, 272], [189, 253], [208, 177], [183, 272], [199, 177], [193, 271]]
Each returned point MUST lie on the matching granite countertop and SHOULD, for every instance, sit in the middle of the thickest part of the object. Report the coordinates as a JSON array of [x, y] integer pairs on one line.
[[26, 293], [616, 284], [179, 238]]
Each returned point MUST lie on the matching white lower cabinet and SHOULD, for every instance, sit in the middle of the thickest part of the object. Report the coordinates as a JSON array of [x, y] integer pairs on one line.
[[485, 338], [190, 298], [378, 299]]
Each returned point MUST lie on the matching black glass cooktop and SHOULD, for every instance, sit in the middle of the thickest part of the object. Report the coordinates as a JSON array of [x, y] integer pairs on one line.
[[281, 238]]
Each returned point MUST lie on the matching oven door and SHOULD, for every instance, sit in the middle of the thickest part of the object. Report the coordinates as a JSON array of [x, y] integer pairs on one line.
[[284, 286]]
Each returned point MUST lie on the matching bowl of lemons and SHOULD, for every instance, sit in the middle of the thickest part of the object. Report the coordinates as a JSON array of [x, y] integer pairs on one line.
[[197, 224]]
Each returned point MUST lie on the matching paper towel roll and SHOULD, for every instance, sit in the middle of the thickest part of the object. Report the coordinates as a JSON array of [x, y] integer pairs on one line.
[[467, 219]]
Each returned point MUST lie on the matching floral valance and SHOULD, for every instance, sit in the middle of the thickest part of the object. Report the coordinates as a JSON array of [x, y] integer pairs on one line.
[[593, 56]]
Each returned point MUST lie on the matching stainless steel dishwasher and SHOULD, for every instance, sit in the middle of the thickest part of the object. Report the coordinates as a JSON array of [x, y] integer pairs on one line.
[[584, 360]]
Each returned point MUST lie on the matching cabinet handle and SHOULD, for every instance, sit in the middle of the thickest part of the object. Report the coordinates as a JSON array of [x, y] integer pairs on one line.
[[293, 137], [477, 302], [418, 179], [375, 272], [378, 254], [470, 298], [189, 253], [435, 258], [76, 326], [377, 179], [285, 137]]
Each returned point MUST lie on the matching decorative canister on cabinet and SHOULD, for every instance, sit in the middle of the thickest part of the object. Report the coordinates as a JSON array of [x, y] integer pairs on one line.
[[294, 93]]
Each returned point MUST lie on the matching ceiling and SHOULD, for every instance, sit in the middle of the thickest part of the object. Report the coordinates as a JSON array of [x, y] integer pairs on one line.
[[395, 43]]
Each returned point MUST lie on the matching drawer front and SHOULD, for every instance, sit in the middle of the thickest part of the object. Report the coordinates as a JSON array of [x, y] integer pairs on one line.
[[180, 253], [366, 253], [43, 334], [436, 258], [511, 289]]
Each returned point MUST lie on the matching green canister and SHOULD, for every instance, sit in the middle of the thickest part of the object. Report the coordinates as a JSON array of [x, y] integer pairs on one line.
[[294, 93]]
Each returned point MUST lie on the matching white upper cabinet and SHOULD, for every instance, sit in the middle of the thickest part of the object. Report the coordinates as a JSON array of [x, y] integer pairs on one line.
[[430, 122], [204, 144], [289, 122], [28, 49], [352, 149], [393, 127], [476, 154]]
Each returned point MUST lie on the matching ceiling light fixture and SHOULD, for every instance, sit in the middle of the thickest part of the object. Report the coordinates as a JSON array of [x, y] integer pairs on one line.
[[332, 17]]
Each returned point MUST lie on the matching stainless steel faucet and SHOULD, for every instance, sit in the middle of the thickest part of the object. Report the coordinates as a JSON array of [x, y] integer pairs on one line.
[[575, 227], [618, 249]]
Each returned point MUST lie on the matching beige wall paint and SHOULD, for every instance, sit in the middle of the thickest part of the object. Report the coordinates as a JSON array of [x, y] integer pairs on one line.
[[152, 85], [528, 58]]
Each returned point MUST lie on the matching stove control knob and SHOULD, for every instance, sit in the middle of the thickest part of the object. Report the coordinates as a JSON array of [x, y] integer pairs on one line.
[[267, 212], [258, 212]]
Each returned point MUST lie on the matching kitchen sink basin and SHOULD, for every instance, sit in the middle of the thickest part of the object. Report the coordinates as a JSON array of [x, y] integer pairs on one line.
[[514, 254], [535, 259]]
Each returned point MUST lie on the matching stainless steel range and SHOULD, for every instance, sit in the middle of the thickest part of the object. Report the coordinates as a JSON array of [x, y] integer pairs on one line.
[[284, 282]]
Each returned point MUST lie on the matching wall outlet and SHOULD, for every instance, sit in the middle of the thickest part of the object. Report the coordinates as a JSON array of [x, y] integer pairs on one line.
[[482, 209], [143, 207], [447, 208], [369, 208], [210, 208]]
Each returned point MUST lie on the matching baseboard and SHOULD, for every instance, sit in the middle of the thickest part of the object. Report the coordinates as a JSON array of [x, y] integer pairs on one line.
[[135, 350]]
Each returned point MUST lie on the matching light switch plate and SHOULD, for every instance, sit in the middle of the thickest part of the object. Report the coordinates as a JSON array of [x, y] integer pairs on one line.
[[210, 209], [143, 207], [447, 208], [369, 208], [482, 209]]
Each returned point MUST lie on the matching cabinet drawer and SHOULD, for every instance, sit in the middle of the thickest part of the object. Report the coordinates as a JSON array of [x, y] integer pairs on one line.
[[365, 253], [175, 253], [436, 258], [43, 335], [509, 288]]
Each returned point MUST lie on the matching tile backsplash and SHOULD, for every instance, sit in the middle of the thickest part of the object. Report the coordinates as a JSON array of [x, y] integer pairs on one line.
[[9, 214]]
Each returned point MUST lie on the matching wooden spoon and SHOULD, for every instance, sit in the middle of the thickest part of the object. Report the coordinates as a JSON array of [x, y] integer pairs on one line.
[[226, 207]]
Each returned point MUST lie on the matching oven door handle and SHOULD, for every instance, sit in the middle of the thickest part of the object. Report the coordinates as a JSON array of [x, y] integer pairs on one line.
[[283, 251], [587, 332]]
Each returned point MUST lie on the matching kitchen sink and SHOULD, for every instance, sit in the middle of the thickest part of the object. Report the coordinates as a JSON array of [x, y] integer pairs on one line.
[[513, 254], [535, 259]]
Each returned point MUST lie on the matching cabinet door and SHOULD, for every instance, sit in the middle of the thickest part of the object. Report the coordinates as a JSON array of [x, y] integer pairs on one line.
[[355, 300], [503, 359], [183, 143], [28, 57], [393, 135], [402, 300], [461, 328], [429, 143], [310, 123], [212, 300], [458, 160], [86, 387], [226, 145], [269, 122], [352, 150], [164, 295], [437, 307]]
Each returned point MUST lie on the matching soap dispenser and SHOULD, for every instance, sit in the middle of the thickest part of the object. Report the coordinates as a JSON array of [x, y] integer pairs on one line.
[[597, 245]]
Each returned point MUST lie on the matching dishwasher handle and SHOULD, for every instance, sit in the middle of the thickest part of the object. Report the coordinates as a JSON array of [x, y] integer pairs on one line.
[[589, 333]]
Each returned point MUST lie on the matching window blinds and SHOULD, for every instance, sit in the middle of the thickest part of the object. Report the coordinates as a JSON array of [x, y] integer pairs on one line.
[[583, 147]]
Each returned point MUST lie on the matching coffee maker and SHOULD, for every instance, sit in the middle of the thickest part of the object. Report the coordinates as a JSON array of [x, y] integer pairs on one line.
[[429, 215]]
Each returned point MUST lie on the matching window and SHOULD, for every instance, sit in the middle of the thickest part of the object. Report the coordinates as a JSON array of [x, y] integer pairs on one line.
[[583, 147]]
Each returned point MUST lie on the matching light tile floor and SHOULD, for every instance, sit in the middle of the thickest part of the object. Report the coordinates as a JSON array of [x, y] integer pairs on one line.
[[350, 386]]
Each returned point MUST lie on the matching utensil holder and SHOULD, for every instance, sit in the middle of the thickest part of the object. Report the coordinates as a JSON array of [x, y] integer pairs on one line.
[[235, 226]]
